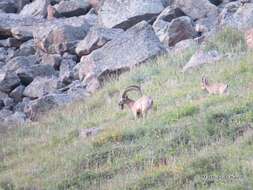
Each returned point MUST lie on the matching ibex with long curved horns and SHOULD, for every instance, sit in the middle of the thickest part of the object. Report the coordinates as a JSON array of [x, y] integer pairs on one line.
[[139, 107]]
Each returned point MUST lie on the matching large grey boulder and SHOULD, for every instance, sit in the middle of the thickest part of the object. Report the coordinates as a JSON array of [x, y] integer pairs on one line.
[[41, 86], [36, 8], [17, 93], [3, 54], [15, 119], [131, 48], [66, 74], [22, 3], [10, 42], [73, 8], [165, 17], [52, 59], [196, 9], [244, 16], [27, 68], [18, 26], [8, 6], [26, 49], [8, 81], [37, 107], [20, 62], [178, 29], [201, 57], [95, 39], [126, 13], [61, 35], [237, 16]]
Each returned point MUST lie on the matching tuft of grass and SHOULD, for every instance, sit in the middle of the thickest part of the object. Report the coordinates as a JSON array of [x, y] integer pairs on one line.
[[227, 40]]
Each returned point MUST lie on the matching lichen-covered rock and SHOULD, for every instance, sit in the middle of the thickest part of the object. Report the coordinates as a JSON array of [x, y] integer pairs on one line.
[[95, 39], [37, 107], [59, 37], [8, 81], [131, 48], [36, 8], [41, 86], [177, 30], [196, 9], [126, 13], [73, 8]]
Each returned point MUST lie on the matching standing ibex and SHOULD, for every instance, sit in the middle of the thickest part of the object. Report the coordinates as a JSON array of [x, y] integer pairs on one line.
[[217, 88], [139, 107]]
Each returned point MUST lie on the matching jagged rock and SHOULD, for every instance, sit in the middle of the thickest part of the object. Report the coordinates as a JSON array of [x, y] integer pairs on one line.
[[52, 59], [95, 39], [8, 81], [8, 6], [73, 8], [67, 55], [41, 86], [76, 90], [76, 71], [26, 49], [216, 2], [196, 9], [10, 42], [178, 29], [235, 15], [3, 54], [27, 74], [9, 103], [131, 48], [20, 62], [183, 45], [1, 104], [20, 106], [36, 8], [126, 13], [244, 15], [66, 71], [5, 113], [22, 3], [3, 96], [37, 107], [16, 119], [60, 37], [1, 64], [17, 93], [166, 16], [20, 27], [201, 57]]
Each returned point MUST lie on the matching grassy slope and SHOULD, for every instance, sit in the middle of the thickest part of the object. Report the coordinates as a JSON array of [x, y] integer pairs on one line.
[[189, 134]]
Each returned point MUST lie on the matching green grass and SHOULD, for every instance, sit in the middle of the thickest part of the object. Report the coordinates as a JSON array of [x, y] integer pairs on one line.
[[190, 140]]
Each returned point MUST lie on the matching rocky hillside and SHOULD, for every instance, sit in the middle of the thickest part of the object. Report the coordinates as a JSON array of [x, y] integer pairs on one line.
[[53, 52], [63, 64]]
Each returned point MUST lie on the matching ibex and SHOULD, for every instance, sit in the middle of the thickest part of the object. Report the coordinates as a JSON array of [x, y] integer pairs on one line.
[[139, 107], [217, 88]]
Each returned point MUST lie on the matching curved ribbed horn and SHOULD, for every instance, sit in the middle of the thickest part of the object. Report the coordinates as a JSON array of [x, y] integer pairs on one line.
[[132, 88]]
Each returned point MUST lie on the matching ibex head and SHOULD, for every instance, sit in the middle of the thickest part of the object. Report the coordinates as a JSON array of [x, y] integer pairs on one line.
[[124, 98]]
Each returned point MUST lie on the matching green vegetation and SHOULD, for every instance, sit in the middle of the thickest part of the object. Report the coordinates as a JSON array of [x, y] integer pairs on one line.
[[227, 40], [191, 140]]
